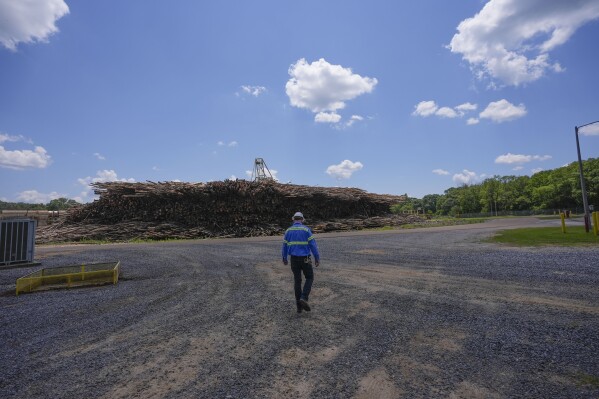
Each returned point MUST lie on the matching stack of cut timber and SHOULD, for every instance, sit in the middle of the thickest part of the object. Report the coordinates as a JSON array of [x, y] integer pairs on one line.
[[230, 208]]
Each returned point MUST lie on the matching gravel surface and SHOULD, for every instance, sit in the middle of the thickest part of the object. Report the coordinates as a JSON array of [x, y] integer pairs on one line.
[[416, 313]]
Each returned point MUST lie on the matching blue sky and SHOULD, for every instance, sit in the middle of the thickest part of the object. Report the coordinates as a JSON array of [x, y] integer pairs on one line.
[[391, 97]]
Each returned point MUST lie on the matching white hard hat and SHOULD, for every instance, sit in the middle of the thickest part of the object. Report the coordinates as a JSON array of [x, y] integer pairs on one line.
[[298, 215]]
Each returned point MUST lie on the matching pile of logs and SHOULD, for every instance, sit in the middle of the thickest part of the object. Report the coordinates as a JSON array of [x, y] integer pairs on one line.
[[230, 208]]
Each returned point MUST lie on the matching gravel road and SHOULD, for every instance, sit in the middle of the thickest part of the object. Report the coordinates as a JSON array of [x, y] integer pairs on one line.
[[409, 313]]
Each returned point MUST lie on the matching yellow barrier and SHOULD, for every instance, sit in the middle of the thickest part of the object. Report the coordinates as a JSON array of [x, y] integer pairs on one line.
[[69, 276], [596, 223], [563, 218]]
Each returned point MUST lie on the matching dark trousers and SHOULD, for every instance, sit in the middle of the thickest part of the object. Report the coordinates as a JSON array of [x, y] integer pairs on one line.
[[301, 264]]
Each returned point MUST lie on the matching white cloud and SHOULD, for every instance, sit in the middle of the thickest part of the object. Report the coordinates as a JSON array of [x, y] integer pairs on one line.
[[99, 156], [7, 137], [510, 158], [350, 122], [327, 117], [35, 197], [344, 170], [253, 90], [466, 177], [229, 144], [541, 157], [22, 159], [29, 21], [503, 111], [510, 40], [425, 108], [446, 112], [536, 170], [440, 172], [323, 87], [590, 130], [428, 108], [518, 168], [466, 107], [102, 176], [354, 119], [499, 111]]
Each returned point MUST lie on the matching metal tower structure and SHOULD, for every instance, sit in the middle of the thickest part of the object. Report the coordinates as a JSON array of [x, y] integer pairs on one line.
[[261, 171]]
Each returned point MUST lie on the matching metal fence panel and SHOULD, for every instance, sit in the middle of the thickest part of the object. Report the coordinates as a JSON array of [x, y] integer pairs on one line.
[[17, 241]]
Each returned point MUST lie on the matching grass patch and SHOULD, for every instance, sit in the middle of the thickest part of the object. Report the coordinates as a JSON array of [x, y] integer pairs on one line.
[[89, 241], [384, 228], [546, 236], [587, 379], [412, 226], [78, 242], [473, 220], [441, 222], [557, 217]]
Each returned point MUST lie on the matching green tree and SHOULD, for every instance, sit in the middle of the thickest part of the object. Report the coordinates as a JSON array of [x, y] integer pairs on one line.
[[543, 197], [550, 189], [469, 199], [490, 194], [516, 194], [429, 203], [21, 206], [60, 204], [448, 204]]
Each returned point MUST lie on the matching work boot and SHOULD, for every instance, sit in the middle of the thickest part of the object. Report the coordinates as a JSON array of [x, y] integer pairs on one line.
[[304, 304], [299, 307]]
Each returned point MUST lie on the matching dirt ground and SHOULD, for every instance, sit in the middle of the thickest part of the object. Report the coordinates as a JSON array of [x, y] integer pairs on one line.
[[420, 313]]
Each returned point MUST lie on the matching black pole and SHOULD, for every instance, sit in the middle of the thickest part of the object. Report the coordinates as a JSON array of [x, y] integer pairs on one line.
[[582, 186]]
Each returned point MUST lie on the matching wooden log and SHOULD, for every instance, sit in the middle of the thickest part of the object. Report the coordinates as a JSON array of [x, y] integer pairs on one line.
[[238, 208]]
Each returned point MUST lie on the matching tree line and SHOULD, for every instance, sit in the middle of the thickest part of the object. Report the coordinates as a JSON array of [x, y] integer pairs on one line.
[[58, 204], [556, 189]]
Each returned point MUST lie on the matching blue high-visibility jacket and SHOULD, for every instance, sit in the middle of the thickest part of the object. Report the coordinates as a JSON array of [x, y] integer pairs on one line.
[[299, 241]]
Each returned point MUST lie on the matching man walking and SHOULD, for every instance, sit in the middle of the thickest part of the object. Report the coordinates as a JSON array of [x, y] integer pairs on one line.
[[298, 243]]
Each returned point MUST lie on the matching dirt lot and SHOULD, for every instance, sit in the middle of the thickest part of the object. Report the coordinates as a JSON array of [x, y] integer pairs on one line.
[[413, 313]]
